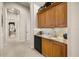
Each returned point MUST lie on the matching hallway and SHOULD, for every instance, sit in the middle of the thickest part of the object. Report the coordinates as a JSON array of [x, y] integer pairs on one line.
[[19, 49], [16, 26]]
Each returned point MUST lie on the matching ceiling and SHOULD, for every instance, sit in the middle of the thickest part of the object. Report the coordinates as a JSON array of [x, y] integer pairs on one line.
[[40, 3], [26, 4]]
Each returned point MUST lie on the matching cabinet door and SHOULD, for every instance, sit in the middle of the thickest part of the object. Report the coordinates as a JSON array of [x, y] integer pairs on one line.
[[56, 50], [50, 18], [61, 15], [64, 50], [41, 20], [59, 49], [46, 47]]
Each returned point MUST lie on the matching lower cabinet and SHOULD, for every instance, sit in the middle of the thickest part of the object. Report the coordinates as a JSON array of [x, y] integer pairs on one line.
[[52, 48], [59, 49], [46, 47]]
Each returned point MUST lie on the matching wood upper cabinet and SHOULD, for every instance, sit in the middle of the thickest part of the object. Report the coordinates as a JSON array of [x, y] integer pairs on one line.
[[61, 15], [53, 16], [50, 18], [41, 20]]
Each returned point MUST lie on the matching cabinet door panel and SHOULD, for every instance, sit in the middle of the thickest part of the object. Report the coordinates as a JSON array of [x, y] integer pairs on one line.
[[61, 15], [41, 20], [64, 50], [56, 50], [53, 17], [50, 17], [46, 47]]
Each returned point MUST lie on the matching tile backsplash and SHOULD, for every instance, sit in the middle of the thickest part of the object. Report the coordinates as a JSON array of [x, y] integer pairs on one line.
[[61, 31], [51, 31]]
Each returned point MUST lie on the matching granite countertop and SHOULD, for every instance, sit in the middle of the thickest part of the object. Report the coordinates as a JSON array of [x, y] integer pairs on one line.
[[59, 39]]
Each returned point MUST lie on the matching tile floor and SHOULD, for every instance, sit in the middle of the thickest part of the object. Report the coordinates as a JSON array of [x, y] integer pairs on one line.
[[18, 49]]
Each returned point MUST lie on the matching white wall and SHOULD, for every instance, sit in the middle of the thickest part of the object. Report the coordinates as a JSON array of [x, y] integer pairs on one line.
[[33, 24], [73, 29], [36, 7], [1, 29], [24, 21], [28, 25]]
